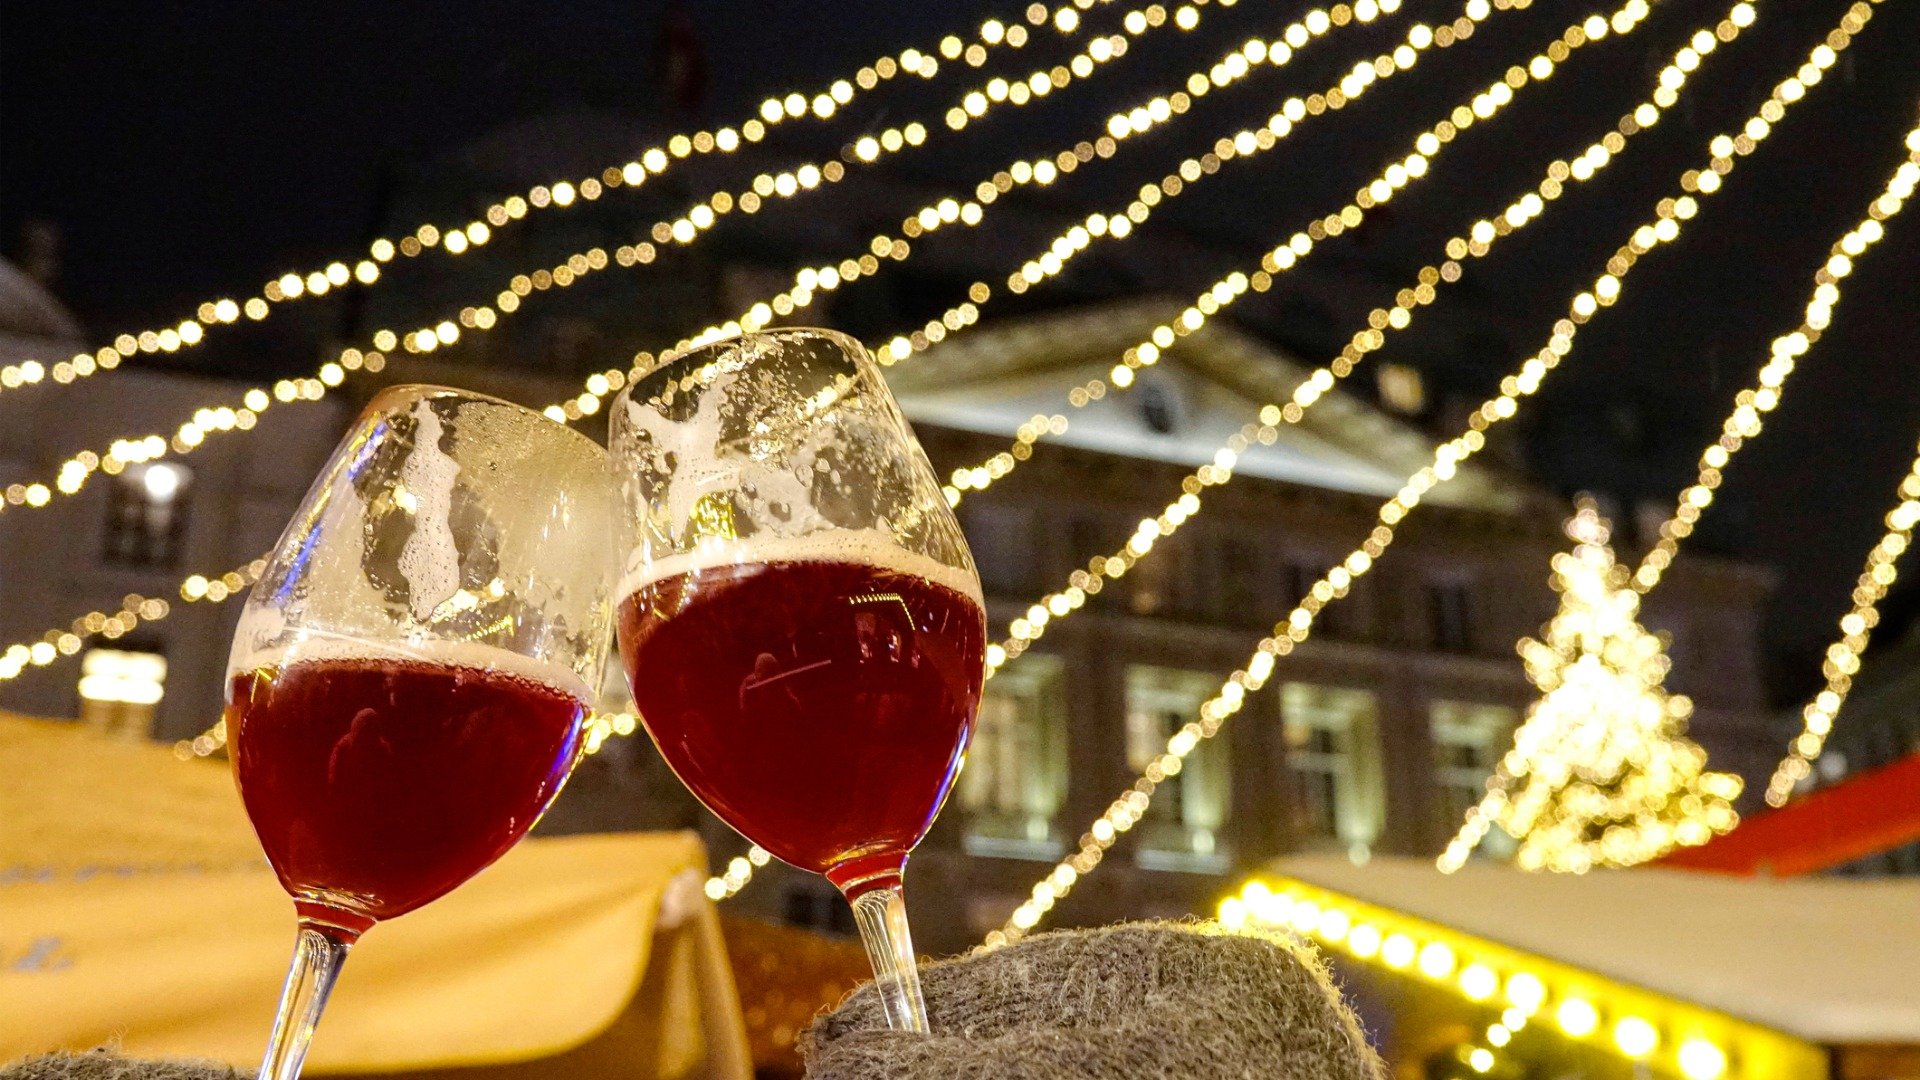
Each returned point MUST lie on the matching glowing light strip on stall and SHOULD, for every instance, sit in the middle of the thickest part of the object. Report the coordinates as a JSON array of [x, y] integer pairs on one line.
[[1517, 990], [458, 239], [1287, 634]]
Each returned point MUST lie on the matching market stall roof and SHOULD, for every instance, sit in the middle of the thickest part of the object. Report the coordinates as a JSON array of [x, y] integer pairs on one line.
[[139, 912], [1865, 814], [1829, 960]]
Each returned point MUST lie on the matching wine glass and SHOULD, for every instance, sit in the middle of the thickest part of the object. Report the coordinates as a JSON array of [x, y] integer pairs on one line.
[[800, 617], [410, 677]]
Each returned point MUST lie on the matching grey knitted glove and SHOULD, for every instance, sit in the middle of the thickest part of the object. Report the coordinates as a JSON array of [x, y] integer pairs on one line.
[[106, 1065], [1145, 1001]]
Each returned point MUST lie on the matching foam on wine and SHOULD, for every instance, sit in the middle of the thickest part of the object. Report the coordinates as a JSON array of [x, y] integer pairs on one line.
[[471, 655], [862, 547]]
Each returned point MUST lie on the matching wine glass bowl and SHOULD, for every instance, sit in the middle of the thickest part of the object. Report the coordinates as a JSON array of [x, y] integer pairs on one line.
[[800, 618]]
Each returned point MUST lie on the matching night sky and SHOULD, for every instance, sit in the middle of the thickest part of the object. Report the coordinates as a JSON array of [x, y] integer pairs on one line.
[[193, 150]]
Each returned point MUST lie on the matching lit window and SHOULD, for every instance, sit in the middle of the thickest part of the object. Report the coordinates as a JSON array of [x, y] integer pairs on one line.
[[1468, 739], [1181, 830], [147, 515], [1333, 750], [1016, 772], [120, 690]]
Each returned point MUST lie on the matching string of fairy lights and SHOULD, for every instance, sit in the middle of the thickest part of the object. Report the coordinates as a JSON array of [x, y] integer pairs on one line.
[[134, 609], [1843, 656], [1745, 423], [1671, 215], [739, 870], [1250, 56], [458, 239], [1842, 659], [73, 473], [1236, 64], [1222, 73], [1053, 260], [1476, 243], [1083, 583], [809, 281], [1395, 177], [1751, 405], [1479, 242], [1557, 846], [815, 280]]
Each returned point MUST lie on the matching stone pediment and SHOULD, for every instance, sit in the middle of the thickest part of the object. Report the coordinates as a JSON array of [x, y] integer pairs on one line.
[[1183, 409]]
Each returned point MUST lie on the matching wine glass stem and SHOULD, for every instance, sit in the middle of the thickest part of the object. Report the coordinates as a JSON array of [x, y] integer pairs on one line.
[[317, 955], [881, 914]]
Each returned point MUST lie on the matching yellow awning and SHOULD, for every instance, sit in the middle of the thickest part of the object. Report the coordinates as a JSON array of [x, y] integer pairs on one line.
[[135, 908]]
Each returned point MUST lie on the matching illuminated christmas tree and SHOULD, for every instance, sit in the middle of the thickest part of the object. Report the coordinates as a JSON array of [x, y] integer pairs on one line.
[[1601, 772]]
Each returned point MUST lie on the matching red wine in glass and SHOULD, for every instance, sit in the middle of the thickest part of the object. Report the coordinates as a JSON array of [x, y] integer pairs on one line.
[[820, 707], [377, 784]]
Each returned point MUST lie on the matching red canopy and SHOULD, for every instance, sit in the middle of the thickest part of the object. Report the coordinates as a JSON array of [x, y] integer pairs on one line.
[[1862, 815]]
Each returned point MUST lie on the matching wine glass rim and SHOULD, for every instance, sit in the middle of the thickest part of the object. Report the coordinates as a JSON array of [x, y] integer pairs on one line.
[[425, 391], [852, 344]]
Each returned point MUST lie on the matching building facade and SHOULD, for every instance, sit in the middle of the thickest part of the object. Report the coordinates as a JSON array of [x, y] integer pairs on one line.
[[1372, 737]]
